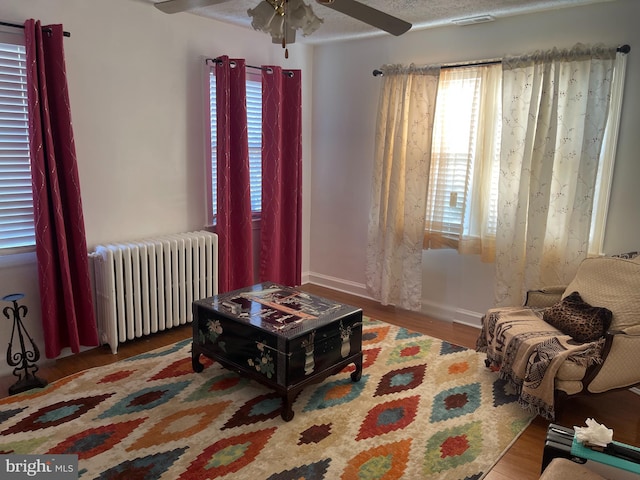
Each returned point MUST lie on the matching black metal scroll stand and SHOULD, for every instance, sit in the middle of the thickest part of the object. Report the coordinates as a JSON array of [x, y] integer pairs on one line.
[[25, 359]]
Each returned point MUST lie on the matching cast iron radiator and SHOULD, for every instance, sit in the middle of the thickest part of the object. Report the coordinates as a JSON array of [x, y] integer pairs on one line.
[[145, 286]]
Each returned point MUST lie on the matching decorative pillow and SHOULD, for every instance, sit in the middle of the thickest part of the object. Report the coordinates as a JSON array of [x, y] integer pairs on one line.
[[576, 318]]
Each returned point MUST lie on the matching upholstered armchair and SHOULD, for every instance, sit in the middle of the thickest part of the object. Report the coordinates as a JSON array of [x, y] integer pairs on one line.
[[569, 340]]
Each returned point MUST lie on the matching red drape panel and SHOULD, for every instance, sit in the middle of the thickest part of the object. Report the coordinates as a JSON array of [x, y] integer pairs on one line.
[[63, 267], [281, 225], [233, 220]]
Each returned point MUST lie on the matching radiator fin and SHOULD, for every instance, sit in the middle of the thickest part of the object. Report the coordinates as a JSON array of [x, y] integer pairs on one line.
[[145, 286]]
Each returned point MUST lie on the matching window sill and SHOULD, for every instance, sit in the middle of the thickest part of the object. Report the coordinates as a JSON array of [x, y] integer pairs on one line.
[[17, 258], [256, 222]]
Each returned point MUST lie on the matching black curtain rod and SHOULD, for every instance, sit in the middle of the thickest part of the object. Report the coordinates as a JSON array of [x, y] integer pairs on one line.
[[288, 73], [379, 73], [16, 25]]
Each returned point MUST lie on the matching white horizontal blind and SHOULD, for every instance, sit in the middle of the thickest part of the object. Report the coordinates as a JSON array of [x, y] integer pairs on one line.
[[453, 152], [254, 131], [16, 198], [463, 180], [213, 125], [449, 193]]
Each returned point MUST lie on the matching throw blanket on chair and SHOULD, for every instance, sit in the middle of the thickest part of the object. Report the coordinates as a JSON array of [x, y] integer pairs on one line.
[[527, 352]]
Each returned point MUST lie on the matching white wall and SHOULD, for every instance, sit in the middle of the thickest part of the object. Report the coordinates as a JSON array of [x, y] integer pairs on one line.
[[345, 98], [137, 91]]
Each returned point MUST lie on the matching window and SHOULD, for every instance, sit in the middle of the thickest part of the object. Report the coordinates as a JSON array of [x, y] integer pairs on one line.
[[16, 198], [465, 159], [462, 198], [254, 127]]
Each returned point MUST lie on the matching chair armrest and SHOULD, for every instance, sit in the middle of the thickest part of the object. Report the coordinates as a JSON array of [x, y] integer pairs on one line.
[[544, 297], [620, 365]]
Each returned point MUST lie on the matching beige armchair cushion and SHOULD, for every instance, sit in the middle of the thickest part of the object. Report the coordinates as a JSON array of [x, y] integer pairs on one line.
[[545, 297], [613, 283], [563, 469], [621, 367]]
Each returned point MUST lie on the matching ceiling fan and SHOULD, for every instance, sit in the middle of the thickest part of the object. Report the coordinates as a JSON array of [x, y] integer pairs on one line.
[[352, 8]]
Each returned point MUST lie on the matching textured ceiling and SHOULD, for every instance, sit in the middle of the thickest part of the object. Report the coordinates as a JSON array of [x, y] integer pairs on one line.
[[421, 13]]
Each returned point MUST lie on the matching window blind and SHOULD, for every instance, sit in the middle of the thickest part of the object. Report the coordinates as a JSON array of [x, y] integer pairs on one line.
[[462, 196], [254, 130], [452, 158], [16, 198]]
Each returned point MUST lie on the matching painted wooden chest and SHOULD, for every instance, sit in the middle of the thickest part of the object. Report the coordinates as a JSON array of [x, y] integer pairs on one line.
[[279, 336]]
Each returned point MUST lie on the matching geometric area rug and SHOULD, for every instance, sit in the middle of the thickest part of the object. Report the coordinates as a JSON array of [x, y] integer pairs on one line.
[[423, 409]]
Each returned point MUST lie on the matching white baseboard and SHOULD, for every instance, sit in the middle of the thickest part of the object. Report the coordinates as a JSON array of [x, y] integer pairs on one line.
[[431, 309], [339, 284], [438, 311], [469, 317], [451, 314]]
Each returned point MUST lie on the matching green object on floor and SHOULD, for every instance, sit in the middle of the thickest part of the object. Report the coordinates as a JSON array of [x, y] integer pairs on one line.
[[581, 451]]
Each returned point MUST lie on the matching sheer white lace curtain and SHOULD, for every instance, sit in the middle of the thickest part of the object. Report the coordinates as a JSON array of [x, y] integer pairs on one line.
[[401, 166], [555, 107]]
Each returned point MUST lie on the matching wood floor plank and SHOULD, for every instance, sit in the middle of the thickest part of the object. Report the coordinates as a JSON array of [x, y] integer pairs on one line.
[[617, 410]]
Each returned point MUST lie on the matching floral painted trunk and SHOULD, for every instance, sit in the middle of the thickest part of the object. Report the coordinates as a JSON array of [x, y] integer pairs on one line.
[[279, 336]]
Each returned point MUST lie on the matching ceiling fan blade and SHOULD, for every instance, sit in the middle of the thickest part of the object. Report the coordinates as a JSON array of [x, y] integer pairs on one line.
[[368, 15], [176, 6]]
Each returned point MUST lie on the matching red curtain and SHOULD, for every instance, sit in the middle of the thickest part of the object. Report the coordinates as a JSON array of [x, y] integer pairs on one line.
[[63, 267], [281, 225], [233, 220]]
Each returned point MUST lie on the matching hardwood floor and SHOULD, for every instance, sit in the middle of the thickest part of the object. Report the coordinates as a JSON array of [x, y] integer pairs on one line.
[[617, 410]]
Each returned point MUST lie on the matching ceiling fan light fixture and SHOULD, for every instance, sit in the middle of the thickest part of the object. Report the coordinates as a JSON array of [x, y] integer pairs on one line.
[[297, 15], [281, 19], [300, 16], [290, 37], [263, 16]]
